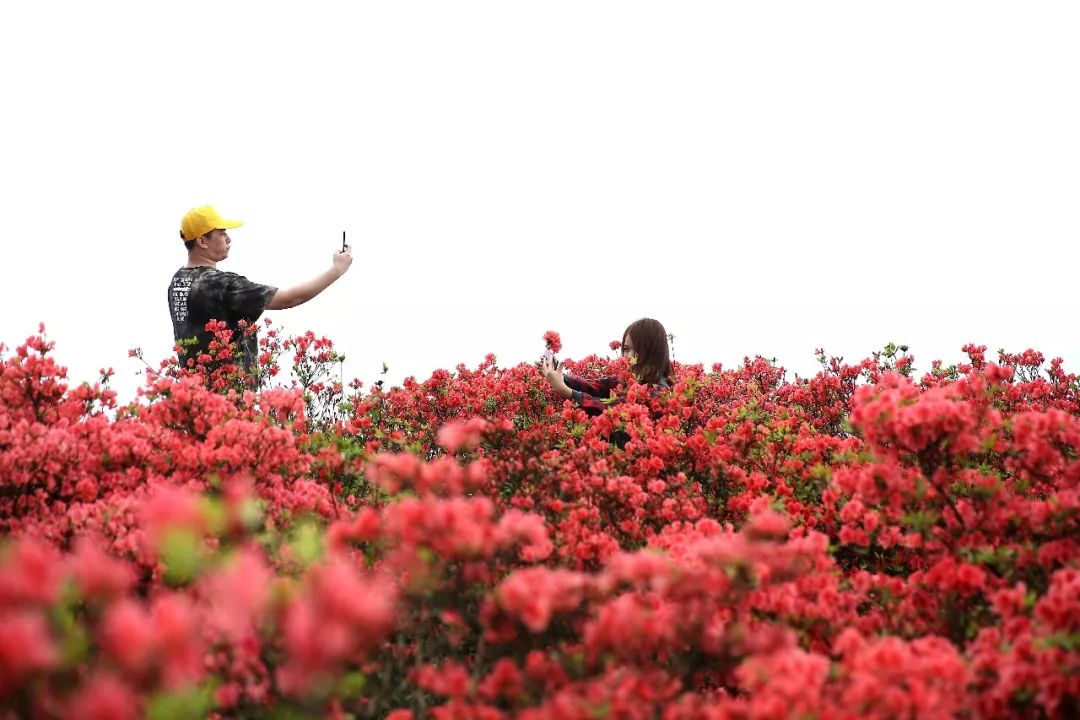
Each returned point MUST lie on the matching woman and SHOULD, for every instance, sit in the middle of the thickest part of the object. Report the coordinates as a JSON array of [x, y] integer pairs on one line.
[[644, 345]]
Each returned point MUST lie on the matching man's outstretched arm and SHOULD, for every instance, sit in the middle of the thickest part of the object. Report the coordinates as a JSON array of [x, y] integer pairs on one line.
[[300, 294]]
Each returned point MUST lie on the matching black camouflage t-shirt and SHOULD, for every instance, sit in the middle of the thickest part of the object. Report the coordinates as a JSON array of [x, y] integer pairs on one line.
[[200, 294]]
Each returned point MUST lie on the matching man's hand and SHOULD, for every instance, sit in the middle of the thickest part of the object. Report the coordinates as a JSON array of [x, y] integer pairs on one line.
[[342, 261]]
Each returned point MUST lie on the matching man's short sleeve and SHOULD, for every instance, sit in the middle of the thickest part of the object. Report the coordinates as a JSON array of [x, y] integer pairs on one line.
[[247, 300]]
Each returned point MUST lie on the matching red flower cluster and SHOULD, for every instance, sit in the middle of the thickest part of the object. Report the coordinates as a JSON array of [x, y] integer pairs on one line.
[[863, 543], [552, 341]]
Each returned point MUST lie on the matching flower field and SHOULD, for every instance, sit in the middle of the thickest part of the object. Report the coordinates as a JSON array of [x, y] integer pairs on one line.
[[875, 541]]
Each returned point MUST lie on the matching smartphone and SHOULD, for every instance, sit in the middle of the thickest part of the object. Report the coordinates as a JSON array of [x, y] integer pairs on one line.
[[343, 246]]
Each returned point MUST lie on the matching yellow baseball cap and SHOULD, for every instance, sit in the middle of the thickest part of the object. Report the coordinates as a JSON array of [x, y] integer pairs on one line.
[[201, 220]]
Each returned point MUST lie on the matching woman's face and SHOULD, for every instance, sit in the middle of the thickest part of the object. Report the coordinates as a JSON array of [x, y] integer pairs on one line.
[[628, 351]]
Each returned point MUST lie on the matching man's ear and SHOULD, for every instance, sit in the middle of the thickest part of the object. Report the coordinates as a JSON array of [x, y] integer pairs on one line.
[[201, 242]]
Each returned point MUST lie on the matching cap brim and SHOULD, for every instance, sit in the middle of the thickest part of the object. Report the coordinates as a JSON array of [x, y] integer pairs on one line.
[[230, 224]]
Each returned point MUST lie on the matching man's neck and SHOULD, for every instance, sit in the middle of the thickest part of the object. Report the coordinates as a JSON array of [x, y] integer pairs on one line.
[[194, 260]]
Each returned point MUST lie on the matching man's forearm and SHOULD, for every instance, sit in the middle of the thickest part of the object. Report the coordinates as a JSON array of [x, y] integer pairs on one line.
[[300, 294]]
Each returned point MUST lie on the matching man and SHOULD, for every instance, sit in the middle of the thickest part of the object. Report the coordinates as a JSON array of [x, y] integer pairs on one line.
[[199, 292]]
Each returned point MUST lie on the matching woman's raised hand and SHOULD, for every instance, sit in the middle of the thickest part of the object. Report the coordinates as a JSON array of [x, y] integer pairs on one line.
[[549, 368]]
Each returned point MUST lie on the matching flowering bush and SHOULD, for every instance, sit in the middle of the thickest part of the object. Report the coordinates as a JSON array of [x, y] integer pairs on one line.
[[863, 543]]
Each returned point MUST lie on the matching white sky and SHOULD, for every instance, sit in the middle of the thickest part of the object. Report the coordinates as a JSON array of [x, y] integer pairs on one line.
[[764, 177]]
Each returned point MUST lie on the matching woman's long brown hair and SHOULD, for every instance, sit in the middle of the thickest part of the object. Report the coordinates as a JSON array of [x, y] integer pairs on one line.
[[650, 341]]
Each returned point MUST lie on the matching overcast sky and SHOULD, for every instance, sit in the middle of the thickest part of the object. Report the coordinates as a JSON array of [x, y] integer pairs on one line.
[[763, 178]]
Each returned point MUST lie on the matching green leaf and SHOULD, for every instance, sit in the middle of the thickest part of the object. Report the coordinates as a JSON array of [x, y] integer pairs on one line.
[[76, 646], [352, 685], [307, 544], [284, 712], [181, 553], [921, 521], [1066, 641], [251, 514], [601, 710], [75, 643], [189, 704], [214, 514]]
